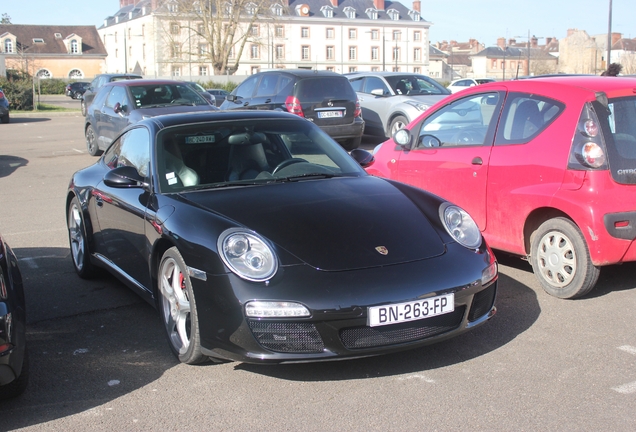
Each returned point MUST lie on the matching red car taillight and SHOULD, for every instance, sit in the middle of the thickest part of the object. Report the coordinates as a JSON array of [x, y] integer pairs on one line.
[[293, 106], [1, 95], [588, 148], [358, 110]]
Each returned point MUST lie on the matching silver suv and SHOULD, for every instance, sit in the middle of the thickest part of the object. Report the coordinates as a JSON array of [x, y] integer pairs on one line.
[[390, 100]]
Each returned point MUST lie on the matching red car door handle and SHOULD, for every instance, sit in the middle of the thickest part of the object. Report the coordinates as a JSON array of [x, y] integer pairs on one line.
[[477, 161]]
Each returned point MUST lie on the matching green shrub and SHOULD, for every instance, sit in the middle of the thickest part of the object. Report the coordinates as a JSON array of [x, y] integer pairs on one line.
[[229, 86], [52, 86], [19, 92]]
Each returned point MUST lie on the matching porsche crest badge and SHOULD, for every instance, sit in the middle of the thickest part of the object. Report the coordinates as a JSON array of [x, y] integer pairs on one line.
[[382, 250]]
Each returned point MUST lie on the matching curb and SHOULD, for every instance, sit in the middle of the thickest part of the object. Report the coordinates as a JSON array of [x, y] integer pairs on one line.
[[46, 114]]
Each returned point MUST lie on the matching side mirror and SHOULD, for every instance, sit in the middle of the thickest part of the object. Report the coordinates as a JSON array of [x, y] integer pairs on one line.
[[231, 98], [362, 157], [377, 92], [124, 177], [403, 138], [119, 108]]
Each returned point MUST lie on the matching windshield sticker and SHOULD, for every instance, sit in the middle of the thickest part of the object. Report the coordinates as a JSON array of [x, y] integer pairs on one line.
[[172, 178], [200, 139]]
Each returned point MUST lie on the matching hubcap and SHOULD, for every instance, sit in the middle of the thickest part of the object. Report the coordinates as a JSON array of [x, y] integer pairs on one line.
[[76, 236], [175, 304], [556, 259]]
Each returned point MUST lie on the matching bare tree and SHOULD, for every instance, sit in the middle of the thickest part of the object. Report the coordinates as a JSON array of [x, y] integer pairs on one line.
[[218, 30], [6, 19]]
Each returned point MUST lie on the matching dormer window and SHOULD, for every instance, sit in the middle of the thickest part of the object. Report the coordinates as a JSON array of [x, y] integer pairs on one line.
[[8, 46], [74, 47], [251, 8], [393, 14], [58, 35], [350, 12], [327, 11], [173, 7], [228, 8], [38, 40], [277, 10], [372, 13], [415, 15]]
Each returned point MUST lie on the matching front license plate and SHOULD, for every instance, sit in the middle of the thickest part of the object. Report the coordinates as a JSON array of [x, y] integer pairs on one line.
[[329, 114], [411, 311]]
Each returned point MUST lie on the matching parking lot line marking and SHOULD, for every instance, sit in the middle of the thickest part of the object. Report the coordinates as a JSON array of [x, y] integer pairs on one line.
[[626, 388], [628, 349]]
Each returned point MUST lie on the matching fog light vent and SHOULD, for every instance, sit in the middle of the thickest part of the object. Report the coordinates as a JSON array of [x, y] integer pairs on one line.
[[287, 337]]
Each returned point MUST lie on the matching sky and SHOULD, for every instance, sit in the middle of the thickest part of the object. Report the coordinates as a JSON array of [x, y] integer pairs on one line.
[[460, 20]]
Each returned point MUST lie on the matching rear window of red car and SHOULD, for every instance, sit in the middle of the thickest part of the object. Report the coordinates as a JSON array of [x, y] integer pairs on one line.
[[618, 123]]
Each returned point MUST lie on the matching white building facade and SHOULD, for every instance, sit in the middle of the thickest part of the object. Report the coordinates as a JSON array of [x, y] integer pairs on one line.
[[338, 35]]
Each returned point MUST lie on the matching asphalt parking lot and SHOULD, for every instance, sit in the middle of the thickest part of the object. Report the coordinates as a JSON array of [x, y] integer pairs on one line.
[[100, 360]]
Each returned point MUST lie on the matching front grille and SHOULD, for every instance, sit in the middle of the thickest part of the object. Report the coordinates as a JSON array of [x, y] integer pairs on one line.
[[287, 337], [482, 302], [367, 337]]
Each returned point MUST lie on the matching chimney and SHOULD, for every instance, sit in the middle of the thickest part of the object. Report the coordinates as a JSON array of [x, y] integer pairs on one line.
[[616, 37], [534, 42], [512, 42], [378, 4], [124, 3], [501, 42], [571, 32], [417, 5]]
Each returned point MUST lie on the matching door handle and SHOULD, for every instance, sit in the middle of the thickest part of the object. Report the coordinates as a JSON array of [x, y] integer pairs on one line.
[[268, 101], [477, 161], [246, 104]]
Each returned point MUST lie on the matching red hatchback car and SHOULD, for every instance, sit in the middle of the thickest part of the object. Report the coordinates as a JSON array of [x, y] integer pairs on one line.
[[545, 166]]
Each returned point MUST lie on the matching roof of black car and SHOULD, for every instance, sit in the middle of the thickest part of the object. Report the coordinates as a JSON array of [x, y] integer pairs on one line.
[[169, 120], [303, 72]]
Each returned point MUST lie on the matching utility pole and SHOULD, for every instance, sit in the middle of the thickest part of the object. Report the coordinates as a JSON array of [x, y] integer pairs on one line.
[[609, 36]]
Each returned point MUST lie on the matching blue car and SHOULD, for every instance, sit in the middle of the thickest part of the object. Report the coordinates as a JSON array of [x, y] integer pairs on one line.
[[14, 366], [4, 108]]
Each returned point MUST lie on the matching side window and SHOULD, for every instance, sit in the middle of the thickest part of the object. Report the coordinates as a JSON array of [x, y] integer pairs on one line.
[[375, 83], [525, 116], [356, 84], [246, 89], [117, 94], [131, 149], [267, 86], [466, 122]]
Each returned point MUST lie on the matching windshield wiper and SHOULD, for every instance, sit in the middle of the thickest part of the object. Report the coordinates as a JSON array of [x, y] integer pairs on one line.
[[308, 176]]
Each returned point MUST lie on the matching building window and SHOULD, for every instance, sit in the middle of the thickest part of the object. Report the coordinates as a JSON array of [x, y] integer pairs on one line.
[[375, 53], [255, 29], [277, 10], [396, 54], [375, 69], [173, 7], [327, 11], [304, 32], [232, 53], [255, 51], [175, 50], [305, 54], [493, 64], [503, 64], [353, 33], [44, 74], [397, 34], [350, 12], [331, 33], [176, 71], [417, 54], [353, 53], [255, 70], [76, 74], [280, 31], [396, 69], [331, 68], [353, 69], [280, 52], [74, 47], [203, 70], [174, 28], [417, 36], [331, 52], [375, 34], [393, 14], [200, 29], [417, 70], [251, 9], [203, 49]]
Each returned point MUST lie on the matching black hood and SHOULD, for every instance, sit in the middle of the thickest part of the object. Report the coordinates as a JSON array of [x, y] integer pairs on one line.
[[334, 224]]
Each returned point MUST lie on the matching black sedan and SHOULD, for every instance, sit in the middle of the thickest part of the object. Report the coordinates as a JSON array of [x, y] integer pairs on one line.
[[14, 366], [259, 239]]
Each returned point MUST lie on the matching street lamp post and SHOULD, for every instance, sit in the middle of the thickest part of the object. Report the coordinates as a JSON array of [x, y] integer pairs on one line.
[[609, 36]]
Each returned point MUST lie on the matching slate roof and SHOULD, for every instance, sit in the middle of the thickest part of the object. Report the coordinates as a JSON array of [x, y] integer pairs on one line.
[[91, 42], [498, 52]]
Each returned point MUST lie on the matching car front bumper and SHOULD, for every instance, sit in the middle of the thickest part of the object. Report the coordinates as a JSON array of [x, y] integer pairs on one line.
[[12, 343]]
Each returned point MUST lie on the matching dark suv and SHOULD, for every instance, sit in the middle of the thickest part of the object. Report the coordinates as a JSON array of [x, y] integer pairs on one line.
[[98, 83], [322, 97]]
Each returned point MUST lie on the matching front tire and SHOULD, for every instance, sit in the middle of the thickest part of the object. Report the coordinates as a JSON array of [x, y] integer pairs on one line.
[[561, 260], [83, 107], [16, 387], [91, 142], [78, 241], [177, 308], [398, 123], [6, 119], [352, 143]]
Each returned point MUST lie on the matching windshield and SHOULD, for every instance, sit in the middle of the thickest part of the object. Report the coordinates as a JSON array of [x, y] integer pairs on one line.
[[157, 95], [248, 152], [415, 85]]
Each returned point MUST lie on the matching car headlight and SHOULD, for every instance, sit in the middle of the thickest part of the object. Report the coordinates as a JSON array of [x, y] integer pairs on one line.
[[247, 254], [418, 105], [460, 225]]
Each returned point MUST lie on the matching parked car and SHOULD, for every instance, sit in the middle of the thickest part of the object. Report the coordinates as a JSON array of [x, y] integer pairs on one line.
[[4, 108], [464, 83], [97, 83], [14, 364], [545, 166], [76, 89], [121, 103], [203, 92], [219, 95], [323, 97], [390, 100], [230, 223]]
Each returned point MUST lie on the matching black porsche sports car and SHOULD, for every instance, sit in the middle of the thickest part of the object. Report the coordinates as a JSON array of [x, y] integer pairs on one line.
[[259, 239], [14, 365]]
